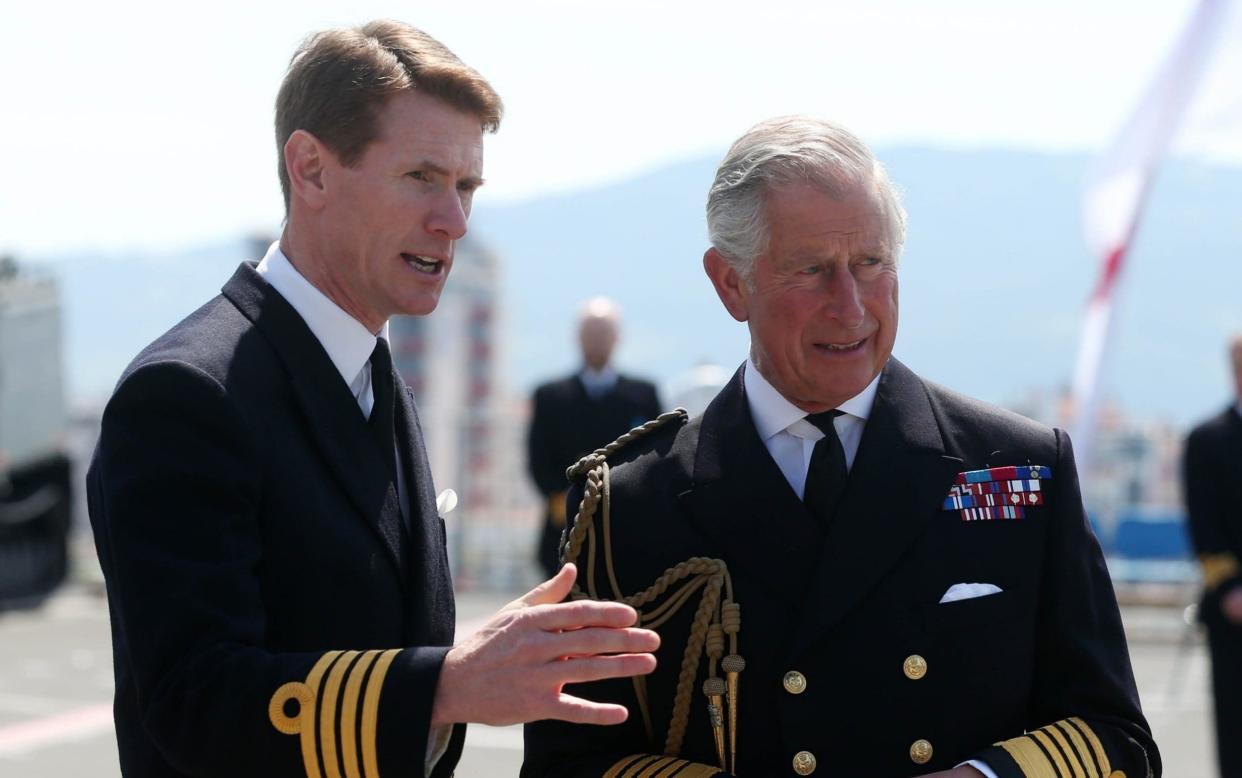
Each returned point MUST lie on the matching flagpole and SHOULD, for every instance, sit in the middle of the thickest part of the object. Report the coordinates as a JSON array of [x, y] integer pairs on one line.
[[1114, 198]]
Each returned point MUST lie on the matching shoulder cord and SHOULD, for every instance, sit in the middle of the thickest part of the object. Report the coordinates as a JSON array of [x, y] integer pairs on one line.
[[713, 619]]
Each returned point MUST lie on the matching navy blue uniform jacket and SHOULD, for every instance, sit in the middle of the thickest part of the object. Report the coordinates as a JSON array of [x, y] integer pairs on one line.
[[271, 613], [1035, 680]]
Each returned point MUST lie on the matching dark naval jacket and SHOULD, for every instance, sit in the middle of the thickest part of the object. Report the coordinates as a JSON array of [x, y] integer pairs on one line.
[[853, 666], [272, 613], [1212, 469], [567, 423]]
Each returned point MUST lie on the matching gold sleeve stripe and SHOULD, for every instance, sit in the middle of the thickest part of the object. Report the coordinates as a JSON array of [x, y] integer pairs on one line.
[[1054, 753], [304, 722], [621, 765], [670, 768], [638, 767], [1073, 761], [349, 714], [1101, 756], [1030, 757], [1217, 568], [1081, 750], [654, 769], [674, 768], [327, 714], [370, 711]]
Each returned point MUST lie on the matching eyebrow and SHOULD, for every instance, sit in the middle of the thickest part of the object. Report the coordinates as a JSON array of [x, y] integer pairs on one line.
[[473, 182]]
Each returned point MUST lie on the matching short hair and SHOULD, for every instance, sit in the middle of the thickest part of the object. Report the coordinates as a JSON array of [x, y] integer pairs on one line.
[[339, 80], [599, 307], [789, 150]]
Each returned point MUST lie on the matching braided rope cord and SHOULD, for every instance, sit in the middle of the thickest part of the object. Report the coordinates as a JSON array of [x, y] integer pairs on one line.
[[712, 619]]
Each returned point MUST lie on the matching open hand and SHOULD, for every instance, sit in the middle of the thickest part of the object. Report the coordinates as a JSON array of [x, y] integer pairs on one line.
[[513, 669]]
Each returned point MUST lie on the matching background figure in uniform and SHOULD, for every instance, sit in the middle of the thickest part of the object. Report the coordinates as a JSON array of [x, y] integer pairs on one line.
[[1212, 471], [261, 498], [913, 585], [578, 414]]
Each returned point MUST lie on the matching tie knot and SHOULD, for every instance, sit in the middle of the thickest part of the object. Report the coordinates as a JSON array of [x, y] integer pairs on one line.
[[381, 357], [823, 421]]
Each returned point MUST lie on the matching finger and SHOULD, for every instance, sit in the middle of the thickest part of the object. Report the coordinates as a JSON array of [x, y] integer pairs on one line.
[[584, 613], [550, 591], [596, 640], [580, 711], [597, 668]]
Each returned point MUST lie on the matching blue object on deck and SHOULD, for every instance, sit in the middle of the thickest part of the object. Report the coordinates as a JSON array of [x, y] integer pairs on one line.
[[1145, 537]]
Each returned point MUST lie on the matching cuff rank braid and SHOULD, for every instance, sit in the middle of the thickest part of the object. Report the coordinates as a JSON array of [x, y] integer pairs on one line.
[[651, 766], [1068, 748], [1218, 568], [340, 696], [716, 620]]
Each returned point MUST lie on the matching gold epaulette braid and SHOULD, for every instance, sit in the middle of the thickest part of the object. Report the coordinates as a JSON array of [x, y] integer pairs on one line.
[[714, 620]]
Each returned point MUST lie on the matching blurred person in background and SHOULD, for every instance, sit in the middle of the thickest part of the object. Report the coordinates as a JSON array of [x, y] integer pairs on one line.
[[1212, 471], [912, 583], [577, 414], [263, 508]]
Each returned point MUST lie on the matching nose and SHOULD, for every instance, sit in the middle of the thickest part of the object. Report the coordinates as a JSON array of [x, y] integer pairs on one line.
[[448, 215], [844, 301]]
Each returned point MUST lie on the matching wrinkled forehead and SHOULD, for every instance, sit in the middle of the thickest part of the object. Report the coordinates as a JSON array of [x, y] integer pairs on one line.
[[853, 215]]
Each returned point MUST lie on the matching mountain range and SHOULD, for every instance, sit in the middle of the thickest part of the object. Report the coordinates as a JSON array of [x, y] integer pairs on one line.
[[994, 279]]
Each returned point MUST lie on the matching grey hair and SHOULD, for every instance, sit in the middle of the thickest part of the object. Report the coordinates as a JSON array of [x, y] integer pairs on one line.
[[789, 150]]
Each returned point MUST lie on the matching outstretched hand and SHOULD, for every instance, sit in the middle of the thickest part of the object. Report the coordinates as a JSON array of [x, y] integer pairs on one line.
[[514, 668]]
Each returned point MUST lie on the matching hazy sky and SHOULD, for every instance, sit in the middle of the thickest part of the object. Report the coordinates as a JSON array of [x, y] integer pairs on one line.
[[138, 124]]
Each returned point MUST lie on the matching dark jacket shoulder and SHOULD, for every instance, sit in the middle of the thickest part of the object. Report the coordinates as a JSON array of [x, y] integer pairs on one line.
[[969, 426]]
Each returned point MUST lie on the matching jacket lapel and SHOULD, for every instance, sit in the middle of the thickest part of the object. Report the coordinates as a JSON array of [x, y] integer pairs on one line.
[[899, 477], [430, 581], [333, 418], [742, 502]]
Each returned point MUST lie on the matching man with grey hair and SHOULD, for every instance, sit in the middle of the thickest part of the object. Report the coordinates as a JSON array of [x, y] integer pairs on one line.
[[921, 588]]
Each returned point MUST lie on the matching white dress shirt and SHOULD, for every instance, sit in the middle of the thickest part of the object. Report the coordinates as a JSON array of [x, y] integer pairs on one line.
[[348, 343], [791, 439]]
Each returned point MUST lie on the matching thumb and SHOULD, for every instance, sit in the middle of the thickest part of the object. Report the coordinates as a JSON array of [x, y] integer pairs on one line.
[[550, 591]]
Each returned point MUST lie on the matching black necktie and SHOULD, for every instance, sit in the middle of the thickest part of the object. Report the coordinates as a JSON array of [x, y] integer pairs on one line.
[[826, 475], [382, 422]]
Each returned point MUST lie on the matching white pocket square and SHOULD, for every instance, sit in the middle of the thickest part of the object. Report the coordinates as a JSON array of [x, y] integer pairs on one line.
[[965, 591]]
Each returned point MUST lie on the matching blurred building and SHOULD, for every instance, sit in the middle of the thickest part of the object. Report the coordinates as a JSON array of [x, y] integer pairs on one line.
[[1132, 491], [474, 430], [35, 494]]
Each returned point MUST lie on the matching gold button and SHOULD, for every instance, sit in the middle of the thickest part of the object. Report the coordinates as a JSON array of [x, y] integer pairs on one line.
[[1116, 774], [921, 751], [804, 763], [795, 683], [915, 667]]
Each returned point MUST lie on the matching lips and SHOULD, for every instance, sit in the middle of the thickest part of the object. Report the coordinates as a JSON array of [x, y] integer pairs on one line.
[[424, 264], [841, 348]]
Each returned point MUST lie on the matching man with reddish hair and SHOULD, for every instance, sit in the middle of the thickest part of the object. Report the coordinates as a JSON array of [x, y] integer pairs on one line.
[[261, 499]]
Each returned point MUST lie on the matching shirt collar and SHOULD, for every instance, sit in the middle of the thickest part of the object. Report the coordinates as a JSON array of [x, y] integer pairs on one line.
[[348, 343], [773, 413], [603, 378]]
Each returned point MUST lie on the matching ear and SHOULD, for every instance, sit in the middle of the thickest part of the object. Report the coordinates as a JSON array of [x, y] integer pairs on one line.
[[730, 286], [305, 157]]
